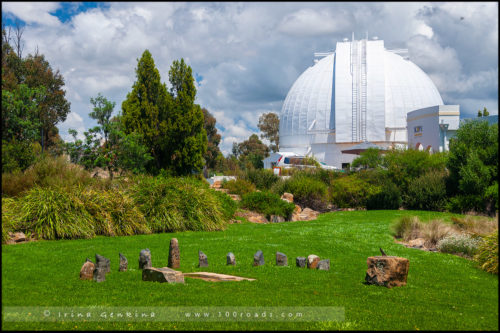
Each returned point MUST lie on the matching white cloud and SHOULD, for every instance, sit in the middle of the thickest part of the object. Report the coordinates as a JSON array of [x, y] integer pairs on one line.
[[33, 12], [308, 22]]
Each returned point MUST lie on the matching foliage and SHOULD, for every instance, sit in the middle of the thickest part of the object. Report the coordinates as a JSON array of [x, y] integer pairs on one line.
[[9, 217], [407, 227], [475, 225], [352, 191], [47, 172], [434, 231], [473, 166], [185, 139], [369, 159], [226, 204], [307, 191], [459, 244], [54, 213], [239, 186], [145, 110], [251, 152], [427, 192], [487, 254], [114, 213], [263, 179], [175, 204], [213, 139], [18, 156], [484, 113], [389, 197], [267, 203], [269, 125]]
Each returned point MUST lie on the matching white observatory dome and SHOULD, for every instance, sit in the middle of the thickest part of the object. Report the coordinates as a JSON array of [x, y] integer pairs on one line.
[[361, 92]]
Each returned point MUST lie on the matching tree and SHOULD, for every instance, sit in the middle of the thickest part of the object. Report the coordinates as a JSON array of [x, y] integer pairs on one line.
[[102, 113], [269, 124], [369, 159], [54, 108], [186, 139], [213, 139], [251, 152], [145, 110], [485, 113], [473, 166]]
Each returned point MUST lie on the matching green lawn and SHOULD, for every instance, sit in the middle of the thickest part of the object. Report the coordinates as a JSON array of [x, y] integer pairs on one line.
[[444, 292]]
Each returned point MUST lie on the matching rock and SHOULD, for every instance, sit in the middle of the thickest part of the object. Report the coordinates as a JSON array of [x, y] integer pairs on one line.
[[287, 197], [324, 265], [417, 243], [17, 237], [312, 261], [258, 258], [235, 197], [307, 214], [101, 268], [202, 259], [163, 274], [87, 270], [297, 209], [281, 259], [123, 263], [215, 277], [231, 260], [388, 271], [300, 261], [145, 259], [174, 259], [217, 184], [251, 216], [277, 218]]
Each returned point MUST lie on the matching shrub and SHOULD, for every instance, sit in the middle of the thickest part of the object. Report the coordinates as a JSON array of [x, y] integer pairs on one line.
[[54, 213], [227, 205], [475, 226], [239, 186], [267, 203], [18, 155], [114, 213], [263, 179], [487, 254], [434, 231], [307, 191], [389, 196], [48, 171], [9, 215], [427, 192], [352, 191], [407, 228], [459, 244], [177, 204]]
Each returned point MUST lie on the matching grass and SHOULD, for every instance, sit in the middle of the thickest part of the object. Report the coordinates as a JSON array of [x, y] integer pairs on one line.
[[444, 292]]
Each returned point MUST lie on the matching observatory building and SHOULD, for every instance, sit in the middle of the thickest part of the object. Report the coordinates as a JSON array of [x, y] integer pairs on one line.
[[359, 93]]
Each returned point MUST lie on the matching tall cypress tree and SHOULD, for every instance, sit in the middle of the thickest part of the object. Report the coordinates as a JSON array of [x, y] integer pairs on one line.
[[146, 107], [186, 139]]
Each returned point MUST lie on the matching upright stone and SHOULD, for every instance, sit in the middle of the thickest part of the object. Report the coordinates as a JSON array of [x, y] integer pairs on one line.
[[231, 260], [324, 265], [108, 265], [87, 270], [388, 271], [173, 254], [300, 261], [101, 267], [258, 258], [145, 259], [202, 259], [281, 259], [123, 263], [312, 261]]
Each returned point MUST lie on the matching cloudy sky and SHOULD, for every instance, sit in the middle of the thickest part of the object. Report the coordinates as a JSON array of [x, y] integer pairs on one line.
[[246, 56]]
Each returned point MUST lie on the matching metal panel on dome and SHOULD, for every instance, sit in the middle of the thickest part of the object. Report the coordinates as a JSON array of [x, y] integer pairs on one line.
[[375, 117], [343, 93]]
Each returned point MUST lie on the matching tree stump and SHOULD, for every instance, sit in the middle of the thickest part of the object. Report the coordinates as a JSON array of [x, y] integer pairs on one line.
[[388, 271]]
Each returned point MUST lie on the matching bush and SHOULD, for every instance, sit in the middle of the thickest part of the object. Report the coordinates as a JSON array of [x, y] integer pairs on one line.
[[227, 205], [263, 179], [427, 192], [487, 254], [389, 196], [407, 228], [54, 213], [178, 204], [466, 203], [267, 203], [114, 213], [9, 216], [352, 191], [239, 186], [307, 191], [47, 172], [459, 244], [18, 156]]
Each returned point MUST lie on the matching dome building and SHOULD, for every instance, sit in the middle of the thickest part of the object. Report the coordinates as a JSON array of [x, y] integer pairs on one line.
[[359, 93]]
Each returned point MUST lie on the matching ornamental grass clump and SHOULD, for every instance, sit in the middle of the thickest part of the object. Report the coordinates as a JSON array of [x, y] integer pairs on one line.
[[434, 231], [114, 213], [178, 204], [461, 244], [407, 228], [9, 217], [487, 254], [475, 225], [54, 213]]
